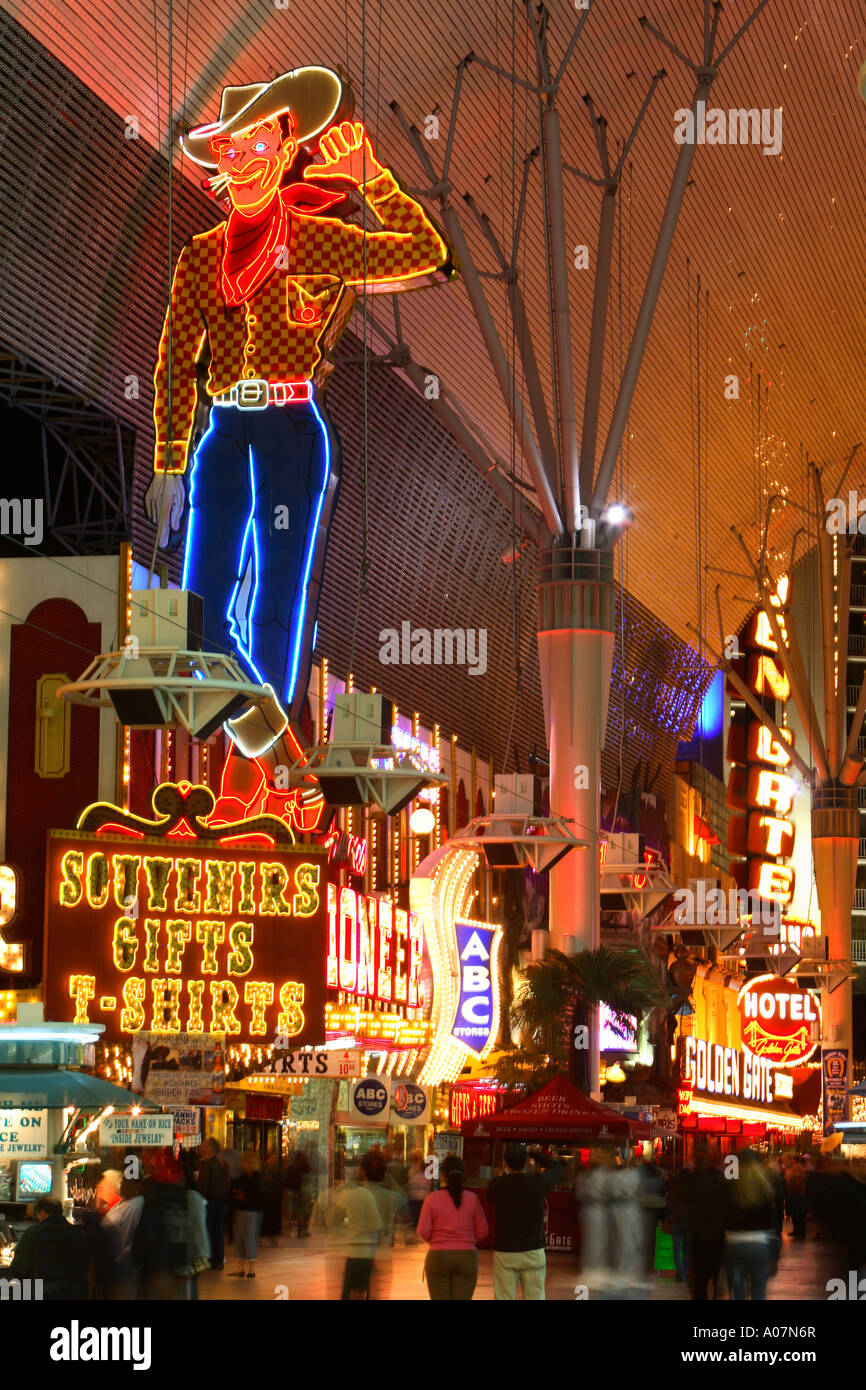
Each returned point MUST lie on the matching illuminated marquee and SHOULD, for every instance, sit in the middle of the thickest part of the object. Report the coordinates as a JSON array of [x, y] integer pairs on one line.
[[715, 1070], [778, 1020], [176, 937], [765, 836], [465, 983], [472, 1103]]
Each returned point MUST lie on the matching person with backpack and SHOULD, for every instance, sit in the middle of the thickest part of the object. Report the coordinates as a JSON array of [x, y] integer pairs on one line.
[[452, 1222], [213, 1183], [518, 1199], [163, 1240]]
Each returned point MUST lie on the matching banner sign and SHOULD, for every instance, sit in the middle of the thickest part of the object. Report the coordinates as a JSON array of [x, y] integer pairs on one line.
[[445, 1144], [257, 1107], [665, 1122], [474, 1022], [187, 1123], [176, 936], [23, 1133], [834, 1071], [179, 1069], [368, 1099], [410, 1104], [146, 1130], [327, 1062]]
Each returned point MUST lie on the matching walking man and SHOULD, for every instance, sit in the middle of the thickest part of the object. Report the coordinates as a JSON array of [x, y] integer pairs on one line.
[[213, 1184], [518, 1198]]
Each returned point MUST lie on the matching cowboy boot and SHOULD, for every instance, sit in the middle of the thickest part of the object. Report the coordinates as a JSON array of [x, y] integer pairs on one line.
[[247, 791], [251, 770], [302, 807], [243, 790]]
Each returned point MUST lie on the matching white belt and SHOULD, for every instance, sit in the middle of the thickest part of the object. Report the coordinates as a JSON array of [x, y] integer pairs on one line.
[[257, 394]]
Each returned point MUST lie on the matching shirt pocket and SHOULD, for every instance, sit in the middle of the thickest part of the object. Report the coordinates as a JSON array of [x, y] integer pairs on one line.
[[310, 300]]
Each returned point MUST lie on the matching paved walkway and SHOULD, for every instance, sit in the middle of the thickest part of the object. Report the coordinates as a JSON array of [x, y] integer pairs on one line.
[[309, 1269]]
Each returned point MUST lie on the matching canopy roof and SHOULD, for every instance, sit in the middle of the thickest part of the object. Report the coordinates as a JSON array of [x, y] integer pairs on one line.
[[776, 241], [32, 1088], [558, 1111]]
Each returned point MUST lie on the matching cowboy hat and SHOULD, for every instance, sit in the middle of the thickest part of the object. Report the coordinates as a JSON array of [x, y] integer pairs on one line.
[[312, 95]]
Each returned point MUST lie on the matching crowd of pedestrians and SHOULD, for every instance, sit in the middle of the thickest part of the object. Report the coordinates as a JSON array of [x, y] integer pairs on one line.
[[152, 1234], [726, 1216]]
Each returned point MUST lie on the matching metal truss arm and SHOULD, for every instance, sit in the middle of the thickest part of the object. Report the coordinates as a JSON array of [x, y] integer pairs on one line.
[[705, 76]]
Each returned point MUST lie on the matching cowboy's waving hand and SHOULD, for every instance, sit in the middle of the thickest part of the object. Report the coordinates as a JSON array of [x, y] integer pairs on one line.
[[347, 153]]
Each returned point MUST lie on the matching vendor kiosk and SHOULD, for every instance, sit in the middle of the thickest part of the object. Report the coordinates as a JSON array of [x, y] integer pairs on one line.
[[558, 1118]]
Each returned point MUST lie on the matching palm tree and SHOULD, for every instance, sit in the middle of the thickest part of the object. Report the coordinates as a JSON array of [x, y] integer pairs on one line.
[[528, 1068], [559, 994]]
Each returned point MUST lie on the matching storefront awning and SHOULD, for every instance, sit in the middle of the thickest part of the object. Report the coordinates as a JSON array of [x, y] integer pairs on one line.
[[35, 1088], [558, 1111]]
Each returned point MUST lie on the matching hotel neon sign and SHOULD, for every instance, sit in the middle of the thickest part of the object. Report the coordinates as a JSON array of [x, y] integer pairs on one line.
[[778, 1020]]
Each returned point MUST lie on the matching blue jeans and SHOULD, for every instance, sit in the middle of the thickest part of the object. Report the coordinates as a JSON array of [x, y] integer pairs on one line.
[[747, 1264], [216, 1220], [263, 487], [682, 1250]]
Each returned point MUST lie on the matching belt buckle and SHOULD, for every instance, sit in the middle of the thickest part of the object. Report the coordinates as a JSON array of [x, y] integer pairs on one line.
[[253, 394]]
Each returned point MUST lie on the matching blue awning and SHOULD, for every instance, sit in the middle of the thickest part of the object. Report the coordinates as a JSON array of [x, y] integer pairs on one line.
[[55, 1088]]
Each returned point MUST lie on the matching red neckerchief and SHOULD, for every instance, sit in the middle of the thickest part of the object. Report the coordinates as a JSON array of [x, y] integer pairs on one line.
[[252, 245]]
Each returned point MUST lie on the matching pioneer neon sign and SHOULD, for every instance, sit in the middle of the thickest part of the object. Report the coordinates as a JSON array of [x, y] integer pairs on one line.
[[375, 949]]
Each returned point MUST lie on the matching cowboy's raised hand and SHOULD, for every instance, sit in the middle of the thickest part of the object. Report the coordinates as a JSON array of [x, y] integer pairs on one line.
[[347, 154]]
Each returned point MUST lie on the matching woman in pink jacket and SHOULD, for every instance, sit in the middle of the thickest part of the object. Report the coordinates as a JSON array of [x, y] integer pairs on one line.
[[452, 1223]]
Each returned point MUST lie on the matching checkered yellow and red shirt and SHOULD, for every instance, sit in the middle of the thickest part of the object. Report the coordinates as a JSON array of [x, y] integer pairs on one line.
[[277, 334]]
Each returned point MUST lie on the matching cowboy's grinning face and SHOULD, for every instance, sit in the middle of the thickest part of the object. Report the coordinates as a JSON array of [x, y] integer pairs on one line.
[[253, 161]]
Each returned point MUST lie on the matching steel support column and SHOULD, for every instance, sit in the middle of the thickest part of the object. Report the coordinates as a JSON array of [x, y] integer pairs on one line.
[[576, 614]]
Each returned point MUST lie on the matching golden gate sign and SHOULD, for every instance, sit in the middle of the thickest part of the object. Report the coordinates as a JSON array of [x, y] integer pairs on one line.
[[767, 835]]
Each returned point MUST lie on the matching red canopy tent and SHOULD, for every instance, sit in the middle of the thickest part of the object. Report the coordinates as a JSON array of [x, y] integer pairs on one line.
[[559, 1111]]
